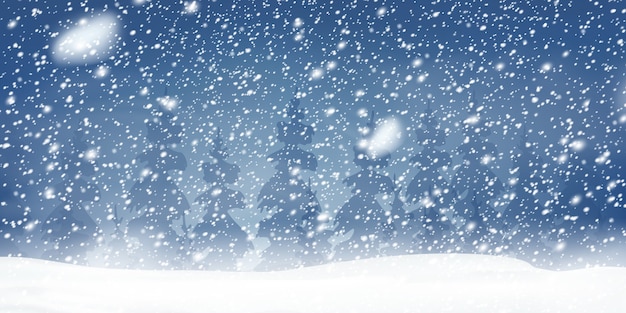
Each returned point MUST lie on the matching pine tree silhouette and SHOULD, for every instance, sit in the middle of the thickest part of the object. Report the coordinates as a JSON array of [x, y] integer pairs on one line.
[[69, 229], [156, 196], [13, 210], [613, 218], [292, 222], [528, 222], [18, 192], [401, 226], [580, 203], [117, 252], [476, 184], [314, 233], [430, 189], [218, 241], [362, 214], [13, 218], [613, 223]]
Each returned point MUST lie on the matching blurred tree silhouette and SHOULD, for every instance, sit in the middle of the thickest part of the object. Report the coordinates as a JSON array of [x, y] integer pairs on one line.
[[218, 241], [156, 196], [430, 190], [293, 223], [476, 184], [69, 231], [363, 215]]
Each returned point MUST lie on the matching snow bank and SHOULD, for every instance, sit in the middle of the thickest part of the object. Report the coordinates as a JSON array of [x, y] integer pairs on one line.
[[417, 283]]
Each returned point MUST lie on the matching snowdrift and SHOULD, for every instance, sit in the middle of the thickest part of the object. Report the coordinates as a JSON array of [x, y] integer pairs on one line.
[[416, 283]]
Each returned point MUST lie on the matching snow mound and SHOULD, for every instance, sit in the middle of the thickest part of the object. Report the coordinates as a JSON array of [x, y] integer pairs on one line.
[[416, 283]]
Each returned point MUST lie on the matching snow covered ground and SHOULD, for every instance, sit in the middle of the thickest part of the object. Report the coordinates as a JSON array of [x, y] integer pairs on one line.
[[417, 283]]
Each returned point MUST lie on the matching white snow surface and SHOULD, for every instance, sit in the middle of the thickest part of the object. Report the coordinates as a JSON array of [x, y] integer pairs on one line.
[[416, 283]]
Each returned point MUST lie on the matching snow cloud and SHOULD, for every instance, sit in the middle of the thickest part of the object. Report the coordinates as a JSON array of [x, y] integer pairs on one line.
[[191, 7], [90, 41], [168, 103], [386, 138]]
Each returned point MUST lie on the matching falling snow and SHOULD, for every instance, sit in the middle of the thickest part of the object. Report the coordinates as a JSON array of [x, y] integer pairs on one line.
[[283, 134]]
